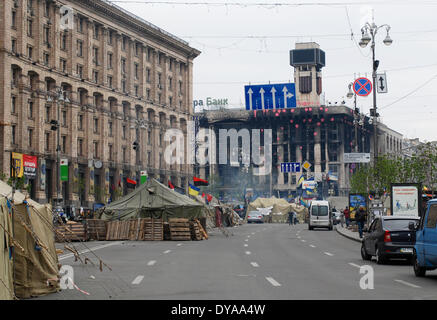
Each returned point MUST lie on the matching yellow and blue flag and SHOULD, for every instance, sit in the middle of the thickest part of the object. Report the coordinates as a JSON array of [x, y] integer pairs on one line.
[[300, 181], [194, 191]]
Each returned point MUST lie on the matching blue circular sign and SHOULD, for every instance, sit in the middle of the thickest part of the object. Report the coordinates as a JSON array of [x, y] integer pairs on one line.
[[362, 87]]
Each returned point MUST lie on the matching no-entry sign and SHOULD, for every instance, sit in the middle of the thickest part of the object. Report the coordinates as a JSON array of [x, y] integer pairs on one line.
[[362, 87]]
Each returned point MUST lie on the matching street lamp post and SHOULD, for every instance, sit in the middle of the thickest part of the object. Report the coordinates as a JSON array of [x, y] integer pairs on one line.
[[56, 126], [369, 31]]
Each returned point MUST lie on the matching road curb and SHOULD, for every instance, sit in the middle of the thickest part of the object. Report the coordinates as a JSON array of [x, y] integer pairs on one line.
[[346, 235]]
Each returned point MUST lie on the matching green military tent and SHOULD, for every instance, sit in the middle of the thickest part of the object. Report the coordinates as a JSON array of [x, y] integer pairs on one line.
[[153, 199], [35, 262]]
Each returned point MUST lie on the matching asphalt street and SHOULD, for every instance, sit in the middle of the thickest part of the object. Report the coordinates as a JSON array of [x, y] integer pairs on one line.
[[258, 261]]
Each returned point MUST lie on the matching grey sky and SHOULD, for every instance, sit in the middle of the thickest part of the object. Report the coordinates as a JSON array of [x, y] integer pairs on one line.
[[228, 63]]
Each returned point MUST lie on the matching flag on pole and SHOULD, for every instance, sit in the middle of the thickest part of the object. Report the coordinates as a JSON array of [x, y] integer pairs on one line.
[[170, 185], [300, 181], [193, 190], [200, 182], [131, 181]]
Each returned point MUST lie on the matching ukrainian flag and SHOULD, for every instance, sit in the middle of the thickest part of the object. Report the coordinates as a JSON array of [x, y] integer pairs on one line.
[[300, 181], [194, 191]]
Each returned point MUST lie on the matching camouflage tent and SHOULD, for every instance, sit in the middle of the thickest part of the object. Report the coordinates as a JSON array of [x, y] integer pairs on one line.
[[6, 244], [35, 262], [153, 199]]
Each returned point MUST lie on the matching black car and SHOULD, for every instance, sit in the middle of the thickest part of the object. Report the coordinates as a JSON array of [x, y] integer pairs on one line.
[[389, 237]]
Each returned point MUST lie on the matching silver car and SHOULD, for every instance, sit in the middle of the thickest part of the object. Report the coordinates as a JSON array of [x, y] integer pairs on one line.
[[255, 216]]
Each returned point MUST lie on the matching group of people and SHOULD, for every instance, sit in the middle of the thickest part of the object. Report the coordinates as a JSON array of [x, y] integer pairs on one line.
[[73, 216], [360, 218]]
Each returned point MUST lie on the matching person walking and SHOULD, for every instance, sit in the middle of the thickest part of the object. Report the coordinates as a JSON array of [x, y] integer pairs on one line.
[[360, 217], [290, 218], [346, 214]]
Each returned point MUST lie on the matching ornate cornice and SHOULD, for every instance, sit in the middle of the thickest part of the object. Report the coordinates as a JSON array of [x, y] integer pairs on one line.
[[145, 29]]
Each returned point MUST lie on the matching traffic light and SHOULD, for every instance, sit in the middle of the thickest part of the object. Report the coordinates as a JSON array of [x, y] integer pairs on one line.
[[375, 65], [54, 125], [135, 145]]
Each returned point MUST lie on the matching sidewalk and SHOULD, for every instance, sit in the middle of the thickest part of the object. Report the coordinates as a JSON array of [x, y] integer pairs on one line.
[[347, 233]]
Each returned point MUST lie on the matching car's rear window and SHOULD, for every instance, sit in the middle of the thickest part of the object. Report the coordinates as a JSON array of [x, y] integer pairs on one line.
[[319, 210], [254, 214], [398, 225]]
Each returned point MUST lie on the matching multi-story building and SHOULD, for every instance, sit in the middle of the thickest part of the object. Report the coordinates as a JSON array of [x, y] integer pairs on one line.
[[123, 80]]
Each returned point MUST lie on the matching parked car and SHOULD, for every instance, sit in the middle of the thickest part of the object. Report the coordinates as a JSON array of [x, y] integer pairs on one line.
[[320, 215], [389, 237], [425, 249], [255, 216], [336, 217]]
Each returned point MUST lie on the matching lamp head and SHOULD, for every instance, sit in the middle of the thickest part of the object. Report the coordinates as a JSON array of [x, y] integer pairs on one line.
[[387, 41]]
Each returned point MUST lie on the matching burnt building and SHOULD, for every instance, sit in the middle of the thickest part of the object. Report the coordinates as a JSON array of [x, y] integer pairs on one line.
[[310, 132]]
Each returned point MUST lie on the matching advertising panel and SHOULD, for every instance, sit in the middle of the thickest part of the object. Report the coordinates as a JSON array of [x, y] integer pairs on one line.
[[30, 164], [355, 202], [405, 199]]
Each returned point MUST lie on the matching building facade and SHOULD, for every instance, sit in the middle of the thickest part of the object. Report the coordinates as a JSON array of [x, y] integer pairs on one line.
[[123, 80]]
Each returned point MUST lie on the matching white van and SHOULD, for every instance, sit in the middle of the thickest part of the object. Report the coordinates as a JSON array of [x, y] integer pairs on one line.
[[319, 215]]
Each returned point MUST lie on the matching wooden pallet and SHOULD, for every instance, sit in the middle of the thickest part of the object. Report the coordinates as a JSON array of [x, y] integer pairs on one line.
[[118, 230], [153, 229], [71, 231], [195, 231], [96, 229], [179, 229]]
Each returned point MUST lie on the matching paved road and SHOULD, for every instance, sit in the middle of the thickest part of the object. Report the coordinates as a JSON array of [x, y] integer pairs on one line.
[[268, 261]]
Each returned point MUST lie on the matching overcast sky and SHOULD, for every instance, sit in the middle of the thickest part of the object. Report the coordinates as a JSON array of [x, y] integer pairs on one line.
[[233, 54]]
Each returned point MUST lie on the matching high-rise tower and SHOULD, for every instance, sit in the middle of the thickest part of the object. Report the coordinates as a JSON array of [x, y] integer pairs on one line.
[[308, 60]]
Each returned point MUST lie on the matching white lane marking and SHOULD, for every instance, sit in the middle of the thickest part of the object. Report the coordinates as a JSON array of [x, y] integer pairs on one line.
[[246, 240], [354, 265], [66, 256], [303, 240], [298, 237], [151, 263], [254, 264], [248, 252], [138, 280], [246, 245], [179, 244], [407, 283], [328, 254], [167, 251], [273, 282], [253, 232], [312, 246]]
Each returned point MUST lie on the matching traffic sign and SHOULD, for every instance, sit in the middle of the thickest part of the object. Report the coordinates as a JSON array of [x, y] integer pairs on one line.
[[362, 87], [306, 165], [356, 157], [270, 96], [382, 83], [290, 167]]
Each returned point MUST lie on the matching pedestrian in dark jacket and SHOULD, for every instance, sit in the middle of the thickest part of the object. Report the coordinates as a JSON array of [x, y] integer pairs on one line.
[[360, 217]]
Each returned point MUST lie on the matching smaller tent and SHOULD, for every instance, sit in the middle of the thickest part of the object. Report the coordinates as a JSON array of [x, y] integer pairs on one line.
[[6, 245], [36, 268], [153, 199], [280, 208]]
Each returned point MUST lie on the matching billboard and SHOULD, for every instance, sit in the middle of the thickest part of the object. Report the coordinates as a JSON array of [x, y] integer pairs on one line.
[[24, 165], [356, 201], [405, 199]]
